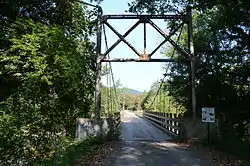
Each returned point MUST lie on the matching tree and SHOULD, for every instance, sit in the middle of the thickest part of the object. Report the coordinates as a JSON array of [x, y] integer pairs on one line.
[[46, 75]]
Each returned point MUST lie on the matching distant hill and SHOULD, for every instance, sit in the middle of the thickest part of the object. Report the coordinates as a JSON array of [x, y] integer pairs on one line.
[[131, 91], [128, 91]]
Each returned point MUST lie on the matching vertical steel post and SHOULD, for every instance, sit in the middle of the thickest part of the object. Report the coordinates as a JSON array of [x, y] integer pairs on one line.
[[110, 92], [192, 60], [165, 102], [145, 38], [108, 101], [98, 66]]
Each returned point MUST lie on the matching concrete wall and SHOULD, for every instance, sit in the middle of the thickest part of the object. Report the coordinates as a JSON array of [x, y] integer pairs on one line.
[[92, 127]]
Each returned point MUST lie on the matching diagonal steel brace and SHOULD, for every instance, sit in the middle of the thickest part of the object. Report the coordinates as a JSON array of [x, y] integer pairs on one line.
[[167, 38]]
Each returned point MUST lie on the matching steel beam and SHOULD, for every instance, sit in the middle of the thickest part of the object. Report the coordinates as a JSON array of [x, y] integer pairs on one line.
[[138, 60], [98, 67], [145, 38], [143, 16]]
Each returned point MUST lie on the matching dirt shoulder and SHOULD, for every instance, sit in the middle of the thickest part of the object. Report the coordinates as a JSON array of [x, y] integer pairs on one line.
[[220, 158]]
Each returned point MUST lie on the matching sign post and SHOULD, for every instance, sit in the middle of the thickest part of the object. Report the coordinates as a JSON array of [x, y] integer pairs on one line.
[[208, 116]]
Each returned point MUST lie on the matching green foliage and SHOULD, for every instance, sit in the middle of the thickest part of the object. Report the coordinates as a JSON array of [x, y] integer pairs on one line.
[[72, 152], [109, 101], [111, 104], [47, 79], [130, 102], [163, 101]]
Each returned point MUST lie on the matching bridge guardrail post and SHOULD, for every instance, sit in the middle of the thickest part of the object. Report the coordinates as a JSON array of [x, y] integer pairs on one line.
[[165, 120], [175, 122], [171, 122], [181, 127]]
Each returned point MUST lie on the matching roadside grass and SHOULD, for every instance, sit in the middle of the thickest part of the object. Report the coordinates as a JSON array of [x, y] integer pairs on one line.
[[76, 150], [68, 155]]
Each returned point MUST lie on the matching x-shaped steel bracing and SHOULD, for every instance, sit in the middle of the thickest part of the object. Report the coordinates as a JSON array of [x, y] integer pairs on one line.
[[144, 19]]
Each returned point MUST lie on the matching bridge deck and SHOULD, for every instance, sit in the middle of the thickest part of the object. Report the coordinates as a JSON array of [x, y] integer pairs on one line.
[[145, 145]]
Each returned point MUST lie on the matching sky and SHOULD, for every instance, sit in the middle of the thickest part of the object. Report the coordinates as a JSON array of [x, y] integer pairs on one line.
[[134, 75]]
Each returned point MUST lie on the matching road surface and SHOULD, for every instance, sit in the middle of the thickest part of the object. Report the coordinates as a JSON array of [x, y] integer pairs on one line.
[[143, 144]]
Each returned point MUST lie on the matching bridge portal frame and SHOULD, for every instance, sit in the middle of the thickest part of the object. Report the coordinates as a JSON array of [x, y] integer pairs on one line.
[[144, 57]]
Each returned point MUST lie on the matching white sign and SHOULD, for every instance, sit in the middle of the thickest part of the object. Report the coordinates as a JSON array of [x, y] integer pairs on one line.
[[208, 115]]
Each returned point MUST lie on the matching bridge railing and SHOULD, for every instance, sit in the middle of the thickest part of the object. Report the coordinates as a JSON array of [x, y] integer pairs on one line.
[[169, 122], [117, 119]]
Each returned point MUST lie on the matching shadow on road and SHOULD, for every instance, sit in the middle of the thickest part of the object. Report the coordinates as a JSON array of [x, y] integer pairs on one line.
[[151, 153]]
